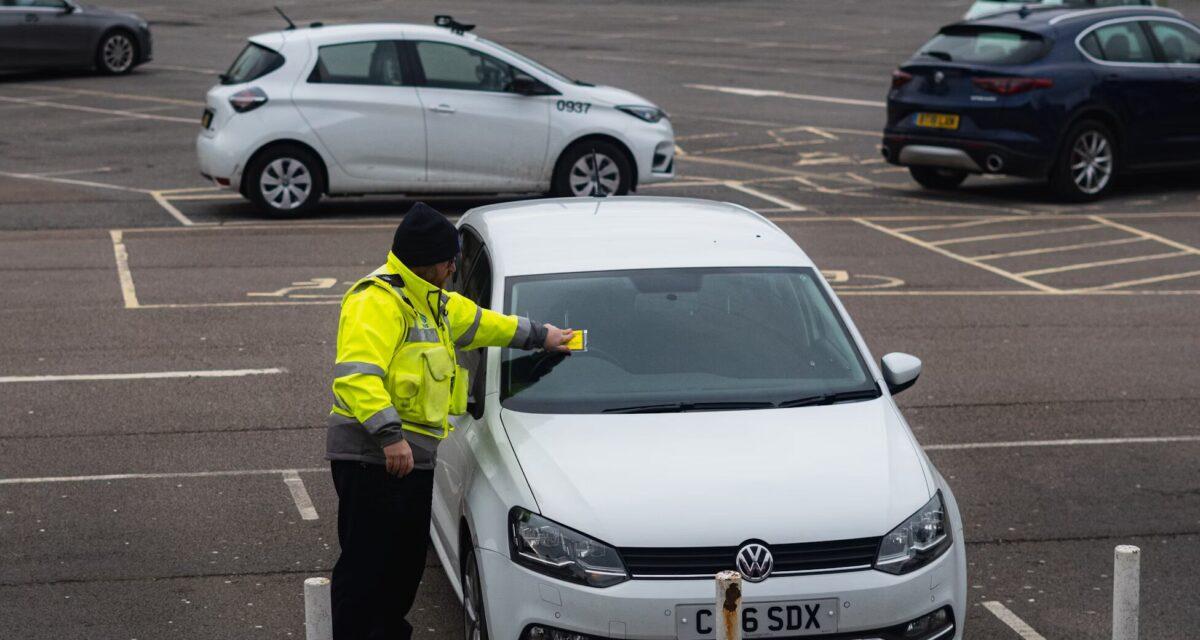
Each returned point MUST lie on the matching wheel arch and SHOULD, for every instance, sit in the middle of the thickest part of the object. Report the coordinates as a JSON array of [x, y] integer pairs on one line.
[[601, 137], [1104, 116], [286, 142], [133, 39]]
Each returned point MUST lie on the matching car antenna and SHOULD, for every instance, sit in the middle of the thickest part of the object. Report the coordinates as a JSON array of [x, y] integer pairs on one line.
[[453, 25], [291, 25], [598, 192]]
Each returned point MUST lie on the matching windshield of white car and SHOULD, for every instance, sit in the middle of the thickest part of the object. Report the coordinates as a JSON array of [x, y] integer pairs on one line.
[[536, 65], [676, 340]]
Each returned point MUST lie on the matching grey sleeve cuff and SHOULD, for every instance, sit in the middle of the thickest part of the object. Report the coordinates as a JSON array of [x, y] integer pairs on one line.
[[389, 435], [530, 335], [384, 426]]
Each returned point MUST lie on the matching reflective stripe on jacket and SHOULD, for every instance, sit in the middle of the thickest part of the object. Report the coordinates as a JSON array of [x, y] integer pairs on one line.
[[396, 368]]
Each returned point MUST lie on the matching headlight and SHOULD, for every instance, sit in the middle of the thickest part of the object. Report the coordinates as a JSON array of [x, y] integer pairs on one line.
[[919, 540], [550, 548], [648, 114]]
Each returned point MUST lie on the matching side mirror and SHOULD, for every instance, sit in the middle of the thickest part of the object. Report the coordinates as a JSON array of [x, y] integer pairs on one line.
[[525, 85], [900, 371]]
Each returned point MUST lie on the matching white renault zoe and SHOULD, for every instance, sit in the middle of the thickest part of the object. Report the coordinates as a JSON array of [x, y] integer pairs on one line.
[[402, 108], [726, 414]]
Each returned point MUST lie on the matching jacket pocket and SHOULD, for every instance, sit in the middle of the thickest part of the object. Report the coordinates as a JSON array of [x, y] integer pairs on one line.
[[458, 392], [432, 401]]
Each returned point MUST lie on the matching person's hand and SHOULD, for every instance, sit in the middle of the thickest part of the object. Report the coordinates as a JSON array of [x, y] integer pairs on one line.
[[399, 458], [557, 339]]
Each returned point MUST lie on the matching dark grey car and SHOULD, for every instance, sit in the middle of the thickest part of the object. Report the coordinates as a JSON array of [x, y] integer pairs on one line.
[[62, 34]]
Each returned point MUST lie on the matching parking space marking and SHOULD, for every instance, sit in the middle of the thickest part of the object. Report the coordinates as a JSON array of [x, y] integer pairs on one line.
[[115, 112], [159, 476], [122, 96], [171, 209], [1134, 283], [124, 275], [46, 177], [1069, 247], [786, 204], [1071, 442], [1015, 623], [1146, 234], [1103, 263], [961, 258], [152, 375], [1017, 234], [956, 225], [772, 93], [304, 503]]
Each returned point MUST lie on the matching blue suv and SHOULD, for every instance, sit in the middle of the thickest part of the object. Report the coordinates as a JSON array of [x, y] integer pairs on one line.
[[1073, 96]]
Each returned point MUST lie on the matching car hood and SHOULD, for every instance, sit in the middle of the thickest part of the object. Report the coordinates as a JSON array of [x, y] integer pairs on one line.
[[720, 478], [613, 96]]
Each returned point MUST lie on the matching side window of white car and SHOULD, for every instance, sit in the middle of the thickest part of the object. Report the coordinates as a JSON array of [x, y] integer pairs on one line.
[[450, 66], [372, 63], [475, 282]]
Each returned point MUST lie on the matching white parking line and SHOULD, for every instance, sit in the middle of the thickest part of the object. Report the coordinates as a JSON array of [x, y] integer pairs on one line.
[[771, 93], [152, 375], [170, 208], [1076, 442], [786, 204], [1018, 234], [157, 476], [1069, 247], [1009, 618], [80, 183], [115, 112], [1104, 263], [124, 276], [300, 496], [124, 96]]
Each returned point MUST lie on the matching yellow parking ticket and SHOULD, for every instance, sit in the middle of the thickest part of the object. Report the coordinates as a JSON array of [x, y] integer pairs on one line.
[[578, 342]]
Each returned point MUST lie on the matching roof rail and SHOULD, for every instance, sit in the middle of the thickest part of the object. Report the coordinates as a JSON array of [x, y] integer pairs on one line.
[[453, 25], [1083, 13]]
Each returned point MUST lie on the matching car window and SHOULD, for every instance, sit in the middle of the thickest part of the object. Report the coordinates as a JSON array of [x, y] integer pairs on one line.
[[1124, 42], [660, 336], [371, 63], [984, 46], [1178, 42], [453, 67], [475, 283], [53, 4], [254, 62]]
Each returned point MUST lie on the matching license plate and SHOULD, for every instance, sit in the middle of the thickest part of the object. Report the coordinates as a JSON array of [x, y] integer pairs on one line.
[[937, 120], [206, 119], [761, 619]]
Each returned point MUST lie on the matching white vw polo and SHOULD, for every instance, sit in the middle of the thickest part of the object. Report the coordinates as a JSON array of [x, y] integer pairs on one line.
[[726, 414], [402, 108]]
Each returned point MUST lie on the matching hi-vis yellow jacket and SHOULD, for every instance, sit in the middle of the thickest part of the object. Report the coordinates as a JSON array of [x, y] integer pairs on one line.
[[396, 367]]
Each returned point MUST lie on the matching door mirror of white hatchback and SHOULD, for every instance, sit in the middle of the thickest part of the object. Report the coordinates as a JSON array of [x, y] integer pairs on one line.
[[900, 371]]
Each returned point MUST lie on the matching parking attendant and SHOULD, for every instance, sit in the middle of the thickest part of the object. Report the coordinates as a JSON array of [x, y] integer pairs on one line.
[[402, 108], [726, 414]]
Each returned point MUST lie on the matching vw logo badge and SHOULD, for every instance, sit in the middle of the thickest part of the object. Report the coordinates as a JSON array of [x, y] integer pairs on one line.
[[938, 77], [754, 562]]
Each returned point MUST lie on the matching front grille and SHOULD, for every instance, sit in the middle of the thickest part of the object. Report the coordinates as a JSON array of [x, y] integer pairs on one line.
[[790, 559]]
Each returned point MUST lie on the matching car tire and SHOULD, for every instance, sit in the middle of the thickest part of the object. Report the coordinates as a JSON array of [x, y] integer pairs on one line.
[[573, 171], [937, 178], [117, 53], [474, 619], [285, 181], [1087, 163]]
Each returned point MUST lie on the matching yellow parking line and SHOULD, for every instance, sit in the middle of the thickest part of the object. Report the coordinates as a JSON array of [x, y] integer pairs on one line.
[[954, 256], [787, 204], [956, 225], [1104, 263], [1132, 283], [1146, 234], [204, 196], [1018, 234], [1069, 247]]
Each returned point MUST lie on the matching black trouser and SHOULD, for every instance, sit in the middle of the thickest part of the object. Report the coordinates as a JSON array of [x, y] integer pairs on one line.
[[383, 528]]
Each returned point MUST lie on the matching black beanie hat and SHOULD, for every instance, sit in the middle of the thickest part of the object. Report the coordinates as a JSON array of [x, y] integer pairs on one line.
[[425, 237]]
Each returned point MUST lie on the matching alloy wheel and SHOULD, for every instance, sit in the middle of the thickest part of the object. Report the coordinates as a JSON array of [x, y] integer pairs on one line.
[[472, 602], [286, 183], [118, 53], [582, 178], [1091, 162]]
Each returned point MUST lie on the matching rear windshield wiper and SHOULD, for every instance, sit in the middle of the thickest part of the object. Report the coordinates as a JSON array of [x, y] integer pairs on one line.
[[831, 398], [940, 55], [682, 407]]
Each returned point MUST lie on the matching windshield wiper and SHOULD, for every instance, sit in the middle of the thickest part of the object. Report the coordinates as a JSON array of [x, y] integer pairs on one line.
[[682, 407], [831, 398], [940, 55]]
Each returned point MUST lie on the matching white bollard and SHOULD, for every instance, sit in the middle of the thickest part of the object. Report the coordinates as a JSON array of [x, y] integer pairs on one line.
[[318, 611], [1126, 592], [729, 605]]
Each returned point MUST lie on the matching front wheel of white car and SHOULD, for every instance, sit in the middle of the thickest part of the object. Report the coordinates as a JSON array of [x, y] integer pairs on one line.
[[474, 620], [590, 166], [284, 181]]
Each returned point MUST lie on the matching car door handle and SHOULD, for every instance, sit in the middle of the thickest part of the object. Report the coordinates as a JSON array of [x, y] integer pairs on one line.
[[442, 108]]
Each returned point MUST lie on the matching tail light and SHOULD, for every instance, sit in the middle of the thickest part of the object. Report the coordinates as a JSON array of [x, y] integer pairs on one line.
[[1010, 86], [900, 78], [248, 99]]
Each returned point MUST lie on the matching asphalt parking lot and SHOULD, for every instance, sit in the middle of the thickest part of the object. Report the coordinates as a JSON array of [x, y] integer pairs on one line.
[[1060, 394]]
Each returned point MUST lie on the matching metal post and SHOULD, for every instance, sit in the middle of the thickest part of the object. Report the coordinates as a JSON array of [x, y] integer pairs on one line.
[[1126, 592], [318, 611], [729, 604]]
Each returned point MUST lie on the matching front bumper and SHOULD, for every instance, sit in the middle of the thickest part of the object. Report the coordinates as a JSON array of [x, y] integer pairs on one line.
[[870, 601], [975, 156], [653, 148]]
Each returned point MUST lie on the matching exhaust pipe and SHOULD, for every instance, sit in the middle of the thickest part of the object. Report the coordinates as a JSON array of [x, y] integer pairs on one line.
[[994, 163]]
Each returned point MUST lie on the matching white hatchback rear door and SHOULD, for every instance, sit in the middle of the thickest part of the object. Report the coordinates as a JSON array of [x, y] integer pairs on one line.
[[482, 137], [366, 112]]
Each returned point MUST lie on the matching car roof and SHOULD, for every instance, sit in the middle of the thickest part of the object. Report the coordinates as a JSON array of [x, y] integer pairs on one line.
[[572, 235], [344, 32], [1042, 18]]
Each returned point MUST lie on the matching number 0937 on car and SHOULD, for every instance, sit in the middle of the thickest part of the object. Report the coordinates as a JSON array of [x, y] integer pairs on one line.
[[761, 619]]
